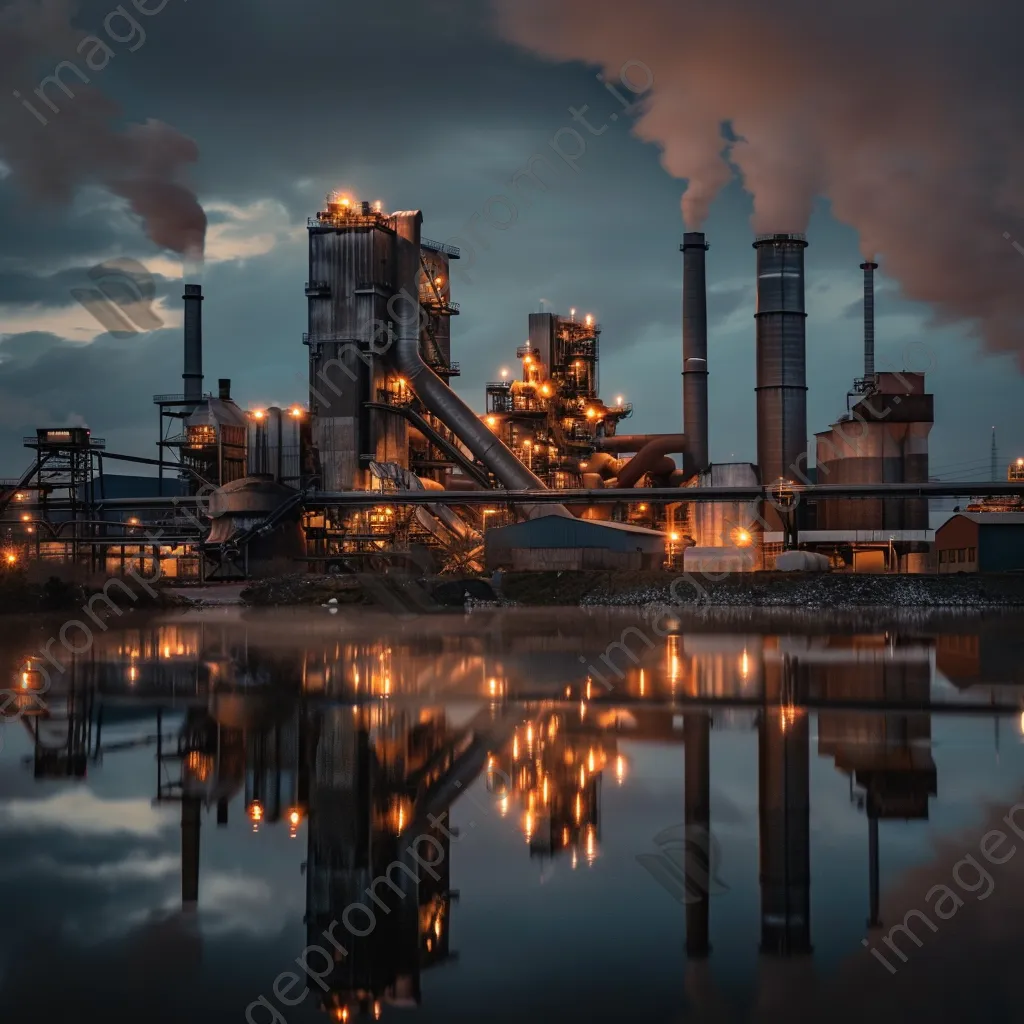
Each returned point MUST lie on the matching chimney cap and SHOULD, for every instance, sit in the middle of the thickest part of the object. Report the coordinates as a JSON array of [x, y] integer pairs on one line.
[[192, 291]]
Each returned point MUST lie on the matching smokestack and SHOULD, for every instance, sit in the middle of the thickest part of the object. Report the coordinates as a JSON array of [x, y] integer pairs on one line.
[[190, 824], [869, 269], [193, 375], [224, 389], [695, 351], [781, 357]]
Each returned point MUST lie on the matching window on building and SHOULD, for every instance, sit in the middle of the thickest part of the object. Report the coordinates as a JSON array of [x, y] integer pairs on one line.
[[942, 557], [960, 552], [972, 554]]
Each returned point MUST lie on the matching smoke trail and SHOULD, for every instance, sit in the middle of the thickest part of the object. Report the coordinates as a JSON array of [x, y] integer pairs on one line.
[[80, 143], [908, 117]]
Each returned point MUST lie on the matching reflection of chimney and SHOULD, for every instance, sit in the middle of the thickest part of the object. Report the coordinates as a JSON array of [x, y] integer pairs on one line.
[[224, 389], [869, 269], [189, 850], [193, 375], [222, 812], [700, 867], [695, 351]]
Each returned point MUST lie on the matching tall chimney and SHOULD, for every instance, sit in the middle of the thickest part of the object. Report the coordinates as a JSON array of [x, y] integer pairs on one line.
[[193, 375], [190, 825], [224, 389], [695, 352], [869, 269], [781, 357]]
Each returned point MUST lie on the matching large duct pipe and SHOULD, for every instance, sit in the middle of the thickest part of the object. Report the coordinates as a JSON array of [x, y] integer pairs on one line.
[[869, 269], [781, 357], [433, 392], [626, 443], [193, 375], [695, 350], [649, 458]]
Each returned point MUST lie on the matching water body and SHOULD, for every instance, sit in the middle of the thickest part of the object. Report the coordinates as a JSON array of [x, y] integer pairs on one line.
[[583, 816]]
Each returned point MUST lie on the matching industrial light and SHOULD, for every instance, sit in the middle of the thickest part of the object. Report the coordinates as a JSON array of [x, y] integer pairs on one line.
[[643, 508], [578, 364], [589, 319], [527, 443], [439, 281], [572, 312], [492, 421], [545, 391], [1020, 462], [673, 537], [591, 413], [742, 538], [527, 360], [346, 201], [19, 496], [504, 374], [11, 558], [618, 399], [378, 205], [258, 414], [25, 518], [296, 411], [133, 521]]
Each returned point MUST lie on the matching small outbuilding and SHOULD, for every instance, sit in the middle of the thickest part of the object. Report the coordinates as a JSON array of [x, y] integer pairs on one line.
[[981, 542], [558, 542]]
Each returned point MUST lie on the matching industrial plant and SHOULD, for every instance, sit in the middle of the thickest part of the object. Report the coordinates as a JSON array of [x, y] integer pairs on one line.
[[383, 464]]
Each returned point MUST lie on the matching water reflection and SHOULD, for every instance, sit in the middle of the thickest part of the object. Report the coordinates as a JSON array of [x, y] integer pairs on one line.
[[358, 745]]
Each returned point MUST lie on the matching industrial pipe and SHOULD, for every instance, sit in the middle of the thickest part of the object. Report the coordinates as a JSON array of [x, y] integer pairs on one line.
[[648, 458], [193, 375], [604, 465], [634, 442], [433, 392]]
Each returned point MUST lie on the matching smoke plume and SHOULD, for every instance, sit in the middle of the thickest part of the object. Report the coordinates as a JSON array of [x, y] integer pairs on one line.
[[907, 117], [81, 143]]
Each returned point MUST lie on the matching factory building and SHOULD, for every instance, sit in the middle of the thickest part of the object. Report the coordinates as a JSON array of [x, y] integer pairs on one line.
[[882, 439], [981, 542], [555, 543], [382, 417]]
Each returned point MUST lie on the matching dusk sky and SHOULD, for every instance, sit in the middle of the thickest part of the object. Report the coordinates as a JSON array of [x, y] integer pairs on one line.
[[436, 105]]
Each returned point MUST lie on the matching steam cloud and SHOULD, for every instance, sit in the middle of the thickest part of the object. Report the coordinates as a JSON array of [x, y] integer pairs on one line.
[[81, 144], [908, 117]]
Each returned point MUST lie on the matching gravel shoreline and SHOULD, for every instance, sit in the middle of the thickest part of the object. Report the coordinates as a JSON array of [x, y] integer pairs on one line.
[[596, 589]]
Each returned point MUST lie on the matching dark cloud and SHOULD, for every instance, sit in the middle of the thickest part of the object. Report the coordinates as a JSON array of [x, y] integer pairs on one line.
[[420, 105]]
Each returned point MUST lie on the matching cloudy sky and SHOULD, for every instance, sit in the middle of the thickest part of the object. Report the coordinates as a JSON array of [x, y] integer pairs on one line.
[[437, 105]]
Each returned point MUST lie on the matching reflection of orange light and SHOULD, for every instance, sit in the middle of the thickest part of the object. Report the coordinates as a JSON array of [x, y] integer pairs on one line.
[[620, 768], [294, 817], [11, 558], [255, 814]]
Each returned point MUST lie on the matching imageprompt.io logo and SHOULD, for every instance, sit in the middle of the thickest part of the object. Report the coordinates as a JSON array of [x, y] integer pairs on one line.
[[686, 864], [122, 300]]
